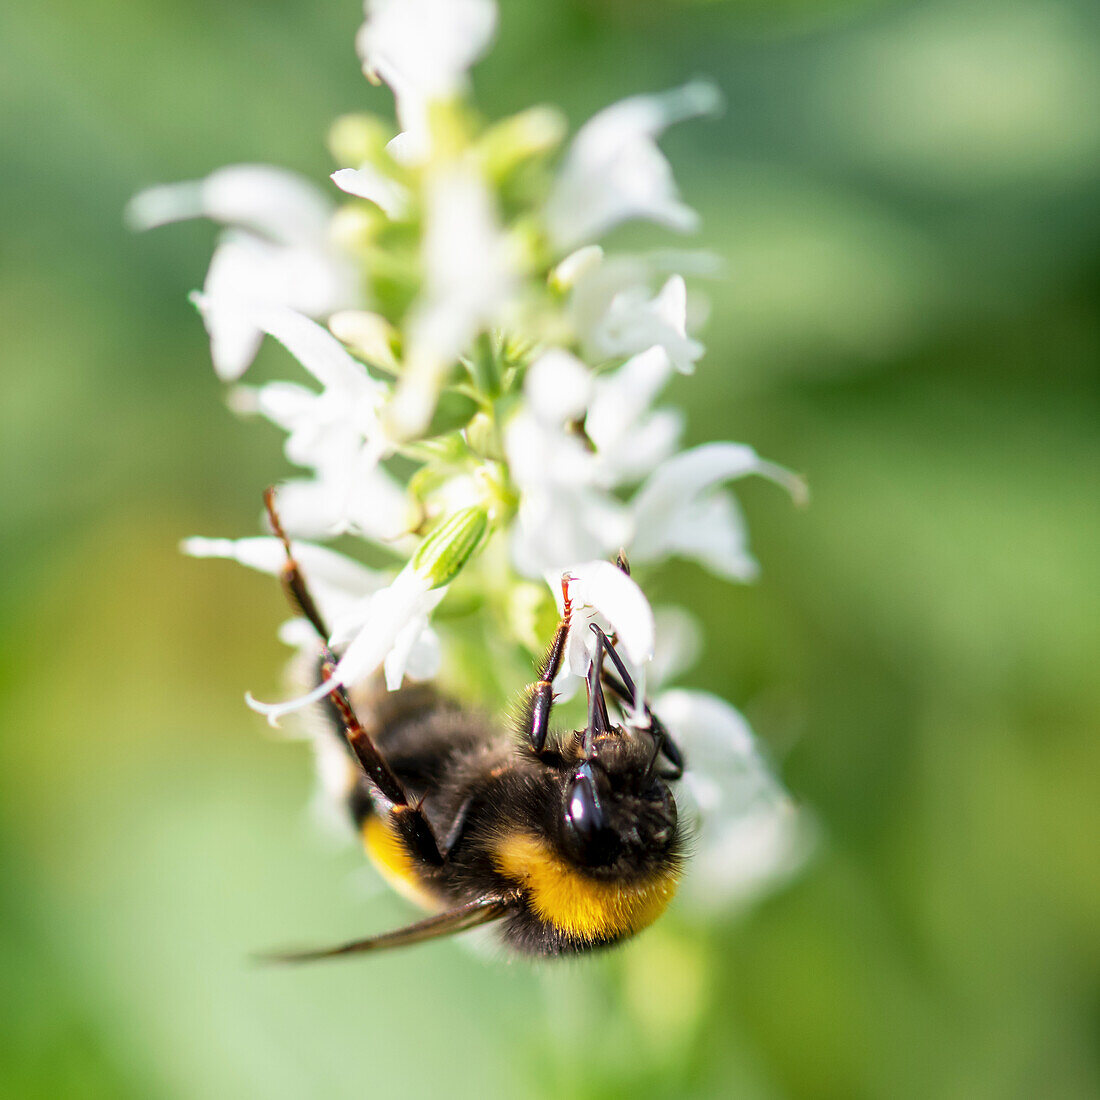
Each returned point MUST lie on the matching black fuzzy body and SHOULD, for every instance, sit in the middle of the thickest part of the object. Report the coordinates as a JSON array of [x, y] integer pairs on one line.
[[477, 782]]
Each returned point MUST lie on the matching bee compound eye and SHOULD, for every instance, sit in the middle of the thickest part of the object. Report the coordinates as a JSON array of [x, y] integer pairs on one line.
[[585, 813], [592, 837]]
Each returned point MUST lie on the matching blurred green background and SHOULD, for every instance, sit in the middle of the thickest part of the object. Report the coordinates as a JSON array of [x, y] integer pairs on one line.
[[906, 194]]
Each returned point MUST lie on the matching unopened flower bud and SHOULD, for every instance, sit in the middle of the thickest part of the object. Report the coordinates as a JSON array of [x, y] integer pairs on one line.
[[441, 556]]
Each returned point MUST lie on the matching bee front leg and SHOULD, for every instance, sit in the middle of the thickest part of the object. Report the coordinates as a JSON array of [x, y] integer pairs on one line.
[[540, 694], [624, 690]]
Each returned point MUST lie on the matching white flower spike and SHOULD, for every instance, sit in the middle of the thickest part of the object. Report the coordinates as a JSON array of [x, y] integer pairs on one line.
[[477, 396]]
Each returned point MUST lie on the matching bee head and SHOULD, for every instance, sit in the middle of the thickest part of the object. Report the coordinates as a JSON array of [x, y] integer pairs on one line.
[[618, 819]]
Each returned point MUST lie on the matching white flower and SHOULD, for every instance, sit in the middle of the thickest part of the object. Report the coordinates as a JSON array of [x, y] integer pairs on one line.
[[268, 202], [423, 49], [336, 432], [596, 280], [350, 597], [385, 628], [614, 172], [563, 516], [681, 509], [389, 627], [372, 504], [634, 321], [469, 275], [601, 593], [630, 438], [679, 644], [567, 512], [278, 251], [751, 835]]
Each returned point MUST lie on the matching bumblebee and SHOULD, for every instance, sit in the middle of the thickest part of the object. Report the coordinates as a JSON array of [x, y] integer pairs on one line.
[[566, 842]]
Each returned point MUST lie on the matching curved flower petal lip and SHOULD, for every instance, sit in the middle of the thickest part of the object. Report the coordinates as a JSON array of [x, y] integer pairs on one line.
[[622, 397], [748, 856], [679, 644], [274, 202], [310, 343], [370, 184], [267, 555], [710, 726], [692, 472], [672, 510], [425, 46], [253, 269], [614, 172]]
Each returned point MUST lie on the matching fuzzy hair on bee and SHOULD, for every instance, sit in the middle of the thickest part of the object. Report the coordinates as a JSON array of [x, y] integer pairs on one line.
[[566, 842]]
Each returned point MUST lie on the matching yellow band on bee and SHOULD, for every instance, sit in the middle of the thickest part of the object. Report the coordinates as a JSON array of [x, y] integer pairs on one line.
[[575, 904], [394, 862]]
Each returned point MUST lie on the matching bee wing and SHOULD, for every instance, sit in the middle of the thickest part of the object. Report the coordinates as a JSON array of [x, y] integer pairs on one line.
[[448, 923], [750, 835]]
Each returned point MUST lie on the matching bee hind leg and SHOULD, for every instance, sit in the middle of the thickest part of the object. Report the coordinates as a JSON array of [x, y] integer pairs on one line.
[[406, 815]]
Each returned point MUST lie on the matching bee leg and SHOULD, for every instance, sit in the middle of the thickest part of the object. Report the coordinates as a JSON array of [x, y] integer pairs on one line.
[[540, 694], [458, 826], [598, 720], [624, 690], [408, 817], [294, 584]]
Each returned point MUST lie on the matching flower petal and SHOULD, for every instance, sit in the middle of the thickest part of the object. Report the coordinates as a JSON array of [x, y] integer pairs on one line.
[[369, 183], [603, 588], [310, 343], [267, 555], [407, 600], [558, 387], [751, 835], [275, 203], [635, 321], [470, 272], [614, 171], [423, 50], [256, 273], [674, 514], [679, 644], [624, 395]]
